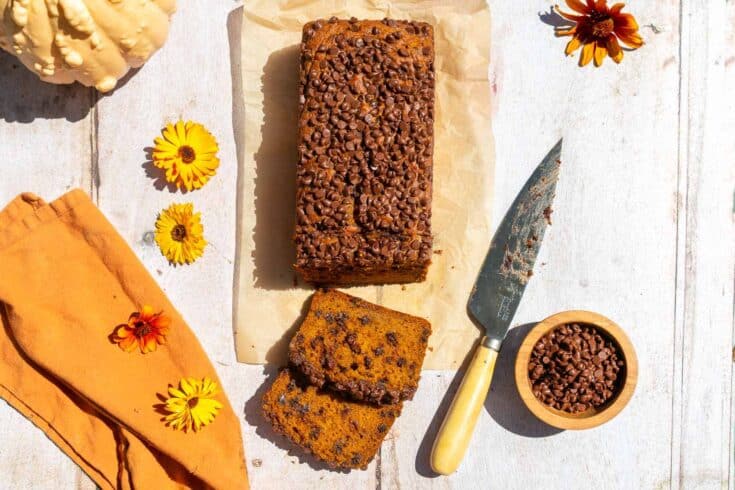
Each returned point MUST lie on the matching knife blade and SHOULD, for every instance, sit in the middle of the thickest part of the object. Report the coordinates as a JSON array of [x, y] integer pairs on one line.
[[509, 263], [493, 302]]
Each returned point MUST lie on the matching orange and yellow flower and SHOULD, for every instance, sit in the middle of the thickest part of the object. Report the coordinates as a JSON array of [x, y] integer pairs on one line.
[[599, 30], [145, 330]]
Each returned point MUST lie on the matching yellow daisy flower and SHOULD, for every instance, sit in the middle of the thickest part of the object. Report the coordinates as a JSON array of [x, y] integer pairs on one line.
[[179, 234], [188, 154], [192, 404]]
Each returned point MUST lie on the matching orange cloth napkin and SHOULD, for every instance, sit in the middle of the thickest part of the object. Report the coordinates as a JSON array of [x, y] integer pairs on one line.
[[67, 279]]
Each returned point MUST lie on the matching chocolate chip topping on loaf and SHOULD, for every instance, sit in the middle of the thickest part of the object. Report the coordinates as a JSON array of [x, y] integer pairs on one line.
[[366, 152], [343, 433], [360, 349]]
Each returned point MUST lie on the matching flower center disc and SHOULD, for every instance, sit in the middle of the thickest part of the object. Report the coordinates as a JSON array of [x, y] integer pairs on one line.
[[143, 329], [178, 233], [193, 402], [603, 28], [187, 154]]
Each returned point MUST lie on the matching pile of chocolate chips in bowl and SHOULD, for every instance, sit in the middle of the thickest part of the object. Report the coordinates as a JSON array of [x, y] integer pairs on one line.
[[575, 367]]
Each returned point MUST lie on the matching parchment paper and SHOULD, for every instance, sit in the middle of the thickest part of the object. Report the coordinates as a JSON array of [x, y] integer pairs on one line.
[[270, 300]]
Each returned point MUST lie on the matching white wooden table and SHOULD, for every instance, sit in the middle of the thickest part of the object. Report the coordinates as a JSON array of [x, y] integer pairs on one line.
[[643, 233]]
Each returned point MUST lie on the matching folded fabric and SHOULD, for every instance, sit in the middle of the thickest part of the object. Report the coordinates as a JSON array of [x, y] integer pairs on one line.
[[67, 281]]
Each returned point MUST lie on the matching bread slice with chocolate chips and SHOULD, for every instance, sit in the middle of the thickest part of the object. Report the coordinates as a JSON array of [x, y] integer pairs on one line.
[[360, 349], [343, 433]]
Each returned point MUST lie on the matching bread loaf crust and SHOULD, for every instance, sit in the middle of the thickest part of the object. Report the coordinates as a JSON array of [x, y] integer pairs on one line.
[[365, 169]]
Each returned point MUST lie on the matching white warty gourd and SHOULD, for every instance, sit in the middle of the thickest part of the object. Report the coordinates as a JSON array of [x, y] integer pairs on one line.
[[94, 42]]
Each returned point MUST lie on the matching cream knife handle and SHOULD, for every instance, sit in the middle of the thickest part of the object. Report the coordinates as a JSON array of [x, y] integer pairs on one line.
[[456, 431]]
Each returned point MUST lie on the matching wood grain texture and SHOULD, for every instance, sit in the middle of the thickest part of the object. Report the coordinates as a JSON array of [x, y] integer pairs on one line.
[[706, 243], [643, 233], [612, 249], [199, 84]]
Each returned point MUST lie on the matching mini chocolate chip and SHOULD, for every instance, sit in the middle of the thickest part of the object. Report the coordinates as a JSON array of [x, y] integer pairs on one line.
[[560, 372], [366, 133]]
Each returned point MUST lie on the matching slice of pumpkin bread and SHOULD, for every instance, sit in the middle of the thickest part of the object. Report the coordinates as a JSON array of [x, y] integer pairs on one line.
[[363, 350], [343, 433]]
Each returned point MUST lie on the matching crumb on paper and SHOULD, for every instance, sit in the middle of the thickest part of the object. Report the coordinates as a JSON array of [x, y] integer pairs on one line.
[[438, 252], [403, 287], [431, 349], [257, 463]]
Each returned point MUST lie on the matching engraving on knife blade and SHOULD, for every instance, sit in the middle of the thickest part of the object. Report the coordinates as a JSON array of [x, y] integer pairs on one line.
[[504, 308]]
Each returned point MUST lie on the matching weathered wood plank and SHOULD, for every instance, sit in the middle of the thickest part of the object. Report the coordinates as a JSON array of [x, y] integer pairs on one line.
[[196, 77], [707, 258], [629, 187], [45, 148], [611, 249]]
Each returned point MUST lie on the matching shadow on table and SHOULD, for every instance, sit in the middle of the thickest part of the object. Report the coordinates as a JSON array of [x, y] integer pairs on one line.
[[275, 180], [254, 417], [553, 19], [158, 175], [503, 403], [278, 353], [275, 162], [25, 98]]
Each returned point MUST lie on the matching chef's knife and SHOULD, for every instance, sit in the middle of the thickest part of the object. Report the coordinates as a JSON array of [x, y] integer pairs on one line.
[[494, 300]]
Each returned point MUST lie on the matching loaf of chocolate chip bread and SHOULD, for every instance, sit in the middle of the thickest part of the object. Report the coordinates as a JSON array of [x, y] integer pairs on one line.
[[366, 133]]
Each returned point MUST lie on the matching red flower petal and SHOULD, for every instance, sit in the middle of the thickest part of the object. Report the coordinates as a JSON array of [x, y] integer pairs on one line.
[[578, 6]]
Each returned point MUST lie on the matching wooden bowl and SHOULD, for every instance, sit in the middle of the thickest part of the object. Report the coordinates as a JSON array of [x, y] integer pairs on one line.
[[593, 416]]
